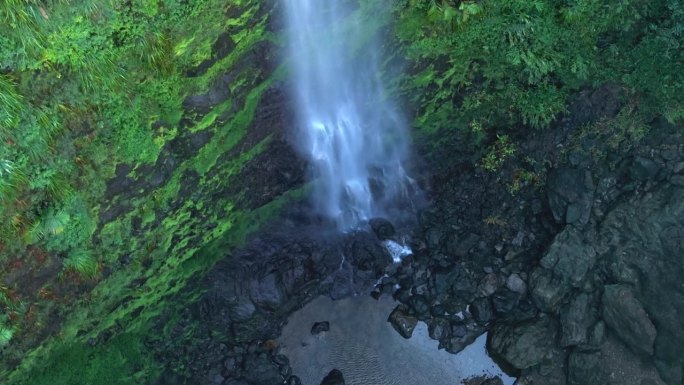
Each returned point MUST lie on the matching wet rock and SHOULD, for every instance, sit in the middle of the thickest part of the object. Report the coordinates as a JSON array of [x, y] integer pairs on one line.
[[516, 284], [402, 322], [523, 344], [367, 254], [462, 335], [319, 327], [505, 302], [382, 228], [335, 377], [489, 285], [266, 292], [643, 169], [564, 267], [439, 329], [577, 318], [433, 237], [466, 244], [242, 310], [625, 316], [547, 290], [259, 369], [293, 380], [570, 193], [642, 243], [420, 306], [586, 368], [482, 311]]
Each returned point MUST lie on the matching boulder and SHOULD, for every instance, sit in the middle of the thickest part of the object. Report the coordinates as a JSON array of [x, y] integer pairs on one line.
[[335, 377], [482, 311], [259, 369], [586, 368], [577, 318], [564, 266], [524, 344], [266, 292], [439, 328], [641, 242], [571, 194], [625, 316], [402, 322]]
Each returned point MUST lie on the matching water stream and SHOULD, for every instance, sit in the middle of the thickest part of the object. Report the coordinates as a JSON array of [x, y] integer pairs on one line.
[[354, 138]]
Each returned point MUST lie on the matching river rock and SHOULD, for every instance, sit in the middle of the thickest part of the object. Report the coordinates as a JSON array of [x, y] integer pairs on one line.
[[625, 316], [516, 284], [402, 322], [335, 377], [523, 344]]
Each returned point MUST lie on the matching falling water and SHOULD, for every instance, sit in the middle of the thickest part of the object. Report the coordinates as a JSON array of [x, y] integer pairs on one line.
[[354, 138]]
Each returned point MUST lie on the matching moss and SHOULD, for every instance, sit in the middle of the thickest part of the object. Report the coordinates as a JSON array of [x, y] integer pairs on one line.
[[123, 360], [84, 118]]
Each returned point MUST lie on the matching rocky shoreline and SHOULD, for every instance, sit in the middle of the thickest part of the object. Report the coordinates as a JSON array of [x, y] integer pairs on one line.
[[577, 282]]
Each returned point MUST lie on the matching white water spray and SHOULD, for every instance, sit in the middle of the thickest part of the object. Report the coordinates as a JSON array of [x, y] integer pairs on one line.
[[354, 138]]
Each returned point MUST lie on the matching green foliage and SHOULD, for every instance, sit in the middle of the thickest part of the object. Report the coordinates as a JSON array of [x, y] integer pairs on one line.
[[6, 334], [507, 64], [498, 153], [82, 262], [122, 361]]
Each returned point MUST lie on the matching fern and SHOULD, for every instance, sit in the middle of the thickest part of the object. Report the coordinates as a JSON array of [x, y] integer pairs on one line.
[[82, 262], [6, 334]]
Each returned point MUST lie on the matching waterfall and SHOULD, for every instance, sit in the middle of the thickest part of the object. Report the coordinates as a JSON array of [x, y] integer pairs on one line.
[[354, 138]]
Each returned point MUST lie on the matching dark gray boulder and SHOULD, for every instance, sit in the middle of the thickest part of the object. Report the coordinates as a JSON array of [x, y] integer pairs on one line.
[[482, 311], [571, 194], [266, 292], [625, 316], [565, 266], [577, 318], [335, 377], [586, 368], [402, 322], [524, 344], [439, 328], [642, 244], [259, 369]]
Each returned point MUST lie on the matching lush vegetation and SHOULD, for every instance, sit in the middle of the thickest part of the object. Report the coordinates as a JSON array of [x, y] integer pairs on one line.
[[508, 65], [92, 91], [88, 89]]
